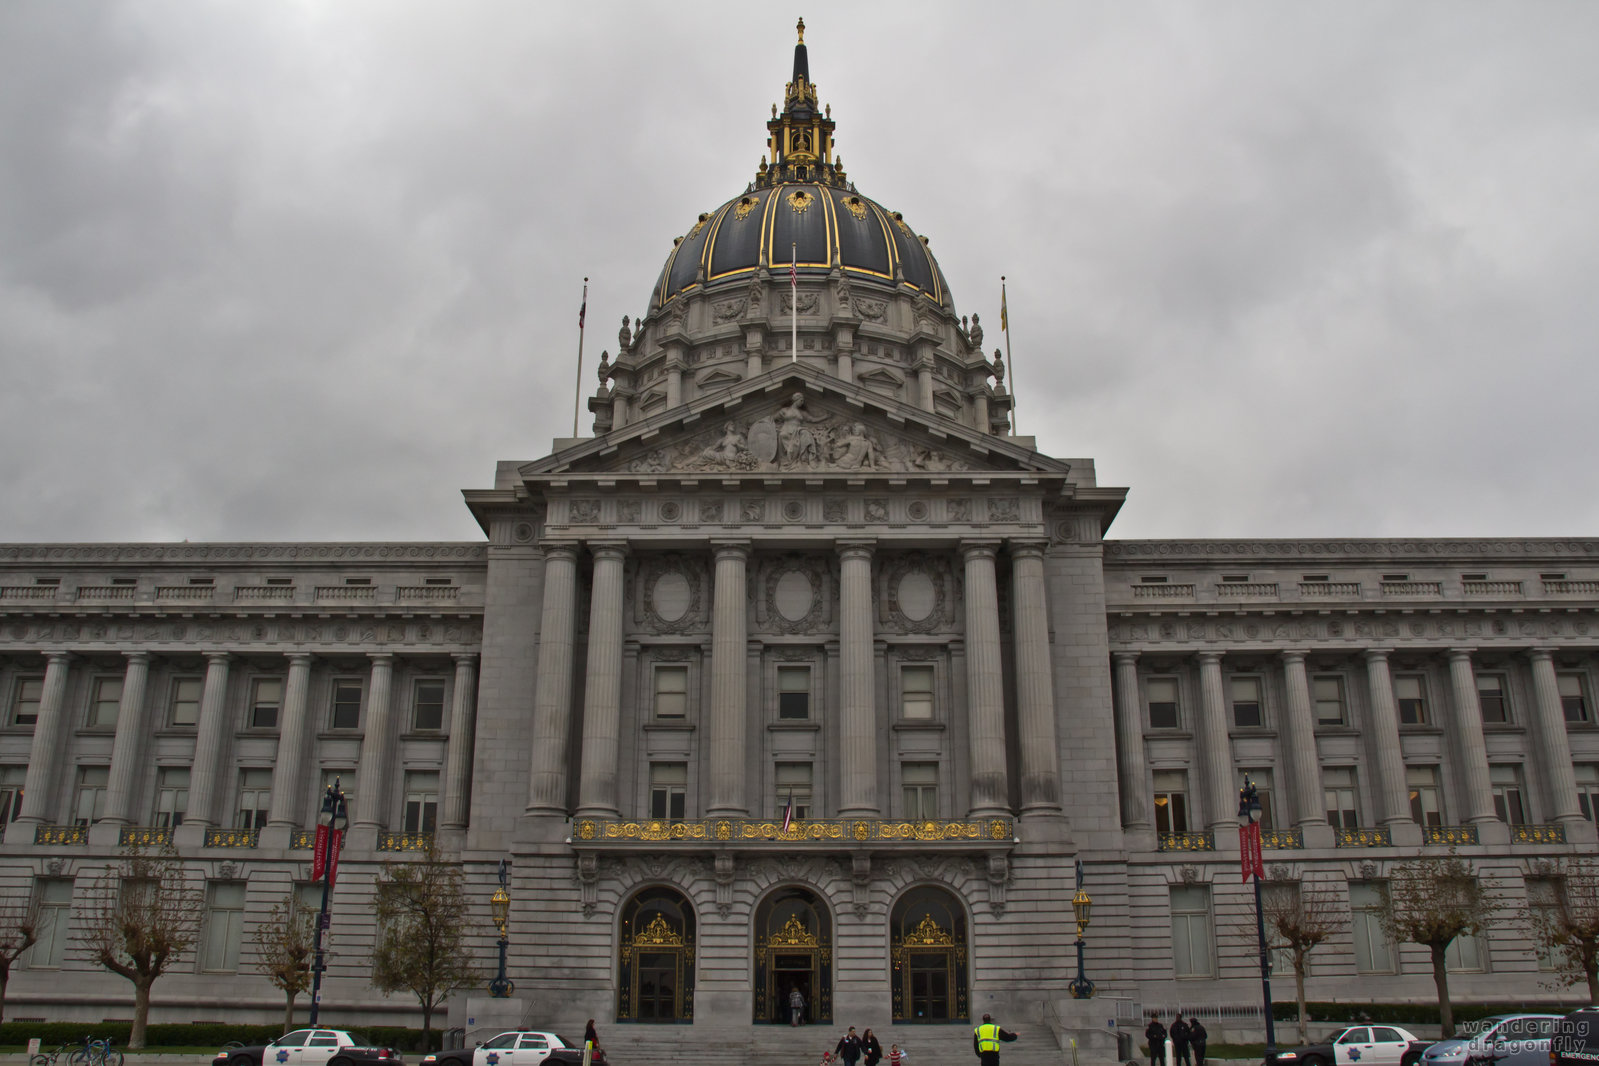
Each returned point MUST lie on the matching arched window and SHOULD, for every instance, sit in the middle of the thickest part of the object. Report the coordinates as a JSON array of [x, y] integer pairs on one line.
[[793, 952], [927, 948], [656, 971]]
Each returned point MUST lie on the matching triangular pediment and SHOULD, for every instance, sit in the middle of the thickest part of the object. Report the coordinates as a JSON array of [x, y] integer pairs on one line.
[[794, 422]]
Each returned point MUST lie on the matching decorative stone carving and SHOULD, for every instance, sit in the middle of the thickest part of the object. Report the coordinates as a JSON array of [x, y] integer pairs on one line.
[[752, 511], [870, 309], [1007, 509], [877, 510], [998, 881], [727, 310], [861, 882], [914, 596], [585, 512], [793, 510], [710, 510], [671, 593], [833, 510], [726, 872], [796, 595], [588, 876], [807, 302], [627, 510], [671, 511], [917, 510], [960, 510]]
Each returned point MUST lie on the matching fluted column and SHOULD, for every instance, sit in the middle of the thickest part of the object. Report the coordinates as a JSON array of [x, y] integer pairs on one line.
[[1132, 763], [1215, 749], [287, 774], [729, 687], [1035, 687], [210, 732], [376, 770], [1554, 747], [1392, 791], [463, 729], [39, 786], [602, 692], [1310, 804], [552, 693], [985, 687], [857, 705], [125, 758], [1468, 733]]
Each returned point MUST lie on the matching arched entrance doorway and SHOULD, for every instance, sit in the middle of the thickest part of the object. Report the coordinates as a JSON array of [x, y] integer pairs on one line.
[[793, 949], [927, 948], [655, 979]]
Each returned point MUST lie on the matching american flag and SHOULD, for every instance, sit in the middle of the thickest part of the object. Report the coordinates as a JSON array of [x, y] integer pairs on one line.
[[793, 268], [788, 812]]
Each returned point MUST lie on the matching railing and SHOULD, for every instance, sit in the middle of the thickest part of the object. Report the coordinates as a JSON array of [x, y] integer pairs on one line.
[[1238, 590], [1538, 834], [1412, 588], [1329, 590], [1563, 587], [32, 593], [1203, 840], [1491, 588], [1282, 840], [989, 830], [302, 839], [184, 593], [347, 593], [263, 594], [1449, 834], [143, 836], [404, 841], [105, 592], [61, 834], [1375, 837], [1163, 592], [232, 838], [428, 593]]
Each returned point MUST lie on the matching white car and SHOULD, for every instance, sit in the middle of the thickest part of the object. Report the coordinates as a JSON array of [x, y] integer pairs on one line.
[[310, 1047], [1359, 1045], [519, 1047]]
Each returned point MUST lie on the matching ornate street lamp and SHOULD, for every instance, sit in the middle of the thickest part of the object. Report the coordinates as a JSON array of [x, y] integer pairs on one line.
[[1249, 845], [500, 907], [1082, 904], [331, 822]]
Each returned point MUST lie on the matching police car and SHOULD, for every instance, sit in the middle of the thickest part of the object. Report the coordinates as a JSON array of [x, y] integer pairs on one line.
[[310, 1047], [518, 1047], [1359, 1045]]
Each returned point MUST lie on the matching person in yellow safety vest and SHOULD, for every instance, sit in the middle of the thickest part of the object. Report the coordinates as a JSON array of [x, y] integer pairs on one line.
[[986, 1039]]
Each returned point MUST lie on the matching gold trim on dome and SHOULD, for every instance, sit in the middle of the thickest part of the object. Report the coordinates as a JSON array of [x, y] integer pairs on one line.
[[929, 934], [742, 209], [658, 934], [799, 200], [793, 935], [695, 232], [856, 206]]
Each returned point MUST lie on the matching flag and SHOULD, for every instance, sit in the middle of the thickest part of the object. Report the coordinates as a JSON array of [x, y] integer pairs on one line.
[[1004, 313], [1249, 852], [788, 812], [793, 272], [583, 311], [319, 847]]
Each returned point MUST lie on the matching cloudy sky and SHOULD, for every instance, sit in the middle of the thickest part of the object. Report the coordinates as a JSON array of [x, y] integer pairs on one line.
[[303, 271]]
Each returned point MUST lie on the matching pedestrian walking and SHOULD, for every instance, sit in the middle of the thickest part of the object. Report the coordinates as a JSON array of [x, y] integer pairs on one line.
[[871, 1050], [1155, 1033], [849, 1048], [591, 1035], [1197, 1037], [1179, 1042], [895, 1055], [986, 1040], [796, 1005]]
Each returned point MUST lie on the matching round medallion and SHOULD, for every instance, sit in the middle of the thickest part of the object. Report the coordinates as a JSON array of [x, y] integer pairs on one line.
[[670, 511], [916, 596], [793, 510], [671, 596], [917, 510], [523, 531], [793, 595]]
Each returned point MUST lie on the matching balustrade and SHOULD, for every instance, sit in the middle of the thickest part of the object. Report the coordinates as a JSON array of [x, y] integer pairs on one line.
[[61, 834], [1538, 834], [234, 838], [1203, 840], [1373, 837], [1450, 835]]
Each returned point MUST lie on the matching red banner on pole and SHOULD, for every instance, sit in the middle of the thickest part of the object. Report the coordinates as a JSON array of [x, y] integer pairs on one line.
[[319, 852], [335, 845], [1249, 851]]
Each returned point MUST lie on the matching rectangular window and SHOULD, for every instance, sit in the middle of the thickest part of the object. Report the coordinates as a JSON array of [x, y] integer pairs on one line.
[[88, 803], [1373, 952], [920, 783], [671, 692], [171, 796], [1246, 702], [1281, 898], [186, 700], [1573, 697], [1171, 801], [346, 703], [794, 780], [103, 704], [1162, 694], [1410, 692], [916, 692], [1587, 790], [668, 790], [421, 800], [427, 703], [1261, 779], [54, 896], [1328, 692], [1339, 787], [266, 696], [344, 781], [1426, 806], [1191, 950], [794, 692], [255, 799], [25, 701], [1509, 802], [224, 927], [1466, 954], [1543, 903], [11, 780], [1494, 698]]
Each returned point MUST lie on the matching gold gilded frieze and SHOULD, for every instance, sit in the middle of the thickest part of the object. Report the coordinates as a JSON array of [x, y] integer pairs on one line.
[[751, 830]]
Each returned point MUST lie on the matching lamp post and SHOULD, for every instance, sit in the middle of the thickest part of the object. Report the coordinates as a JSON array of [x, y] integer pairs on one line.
[[1249, 838], [331, 823], [1082, 987], [500, 906]]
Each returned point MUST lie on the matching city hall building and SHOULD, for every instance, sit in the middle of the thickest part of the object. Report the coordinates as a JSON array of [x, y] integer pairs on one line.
[[803, 671]]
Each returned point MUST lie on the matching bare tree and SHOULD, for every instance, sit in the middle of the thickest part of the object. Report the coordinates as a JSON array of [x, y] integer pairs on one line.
[[421, 938], [1566, 923], [1431, 902], [284, 949], [19, 931], [1300, 918], [145, 917]]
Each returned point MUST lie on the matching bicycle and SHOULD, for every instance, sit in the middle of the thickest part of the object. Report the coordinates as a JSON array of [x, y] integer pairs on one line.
[[90, 1052]]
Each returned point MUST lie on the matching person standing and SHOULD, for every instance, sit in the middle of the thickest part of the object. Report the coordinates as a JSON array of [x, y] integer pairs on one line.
[[849, 1048], [986, 1039], [591, 1035], [1197, 1037], [871, 1050], [796, 1005], [1179, 1042], [1155, 1033]]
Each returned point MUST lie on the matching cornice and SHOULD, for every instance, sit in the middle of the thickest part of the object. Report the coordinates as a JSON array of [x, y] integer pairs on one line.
[[288, 552], [1205, 551]]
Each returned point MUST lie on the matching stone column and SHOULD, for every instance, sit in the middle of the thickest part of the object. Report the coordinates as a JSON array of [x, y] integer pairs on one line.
[[674, 378], [1035, 687], [552, 693], [463, 727], [1215, 751], [1473, 750], [210, 734], [985, 687], [857, 734], [39, 786], [1393, 794], [1554, 747], [125, 760], [729, 682], [287, 773], [1299, 738], [602, 693], [1132, 763], [376, 770]]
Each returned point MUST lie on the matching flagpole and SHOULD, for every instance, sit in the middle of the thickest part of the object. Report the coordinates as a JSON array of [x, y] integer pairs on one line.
[[577, 394], [1004, 325], [793, 303]]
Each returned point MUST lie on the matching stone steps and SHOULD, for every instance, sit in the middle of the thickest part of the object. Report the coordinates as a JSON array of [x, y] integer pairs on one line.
[[778, 1045]]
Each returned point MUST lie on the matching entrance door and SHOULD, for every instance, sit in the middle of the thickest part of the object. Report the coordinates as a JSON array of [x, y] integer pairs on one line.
[[788, 973], [927, 949], [657, 987], [929, 987], [793, 950], [655, 974]]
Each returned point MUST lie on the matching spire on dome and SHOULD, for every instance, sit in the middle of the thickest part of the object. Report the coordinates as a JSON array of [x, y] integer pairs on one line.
[[800, 137]]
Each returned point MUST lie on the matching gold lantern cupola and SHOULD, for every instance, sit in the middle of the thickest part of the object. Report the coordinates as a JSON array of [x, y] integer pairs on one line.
[[799, 140]]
